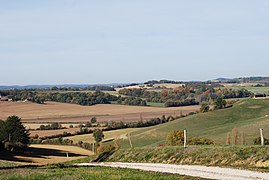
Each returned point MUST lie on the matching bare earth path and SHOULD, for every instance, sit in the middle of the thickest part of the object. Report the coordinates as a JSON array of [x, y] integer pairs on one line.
[[196, 171]]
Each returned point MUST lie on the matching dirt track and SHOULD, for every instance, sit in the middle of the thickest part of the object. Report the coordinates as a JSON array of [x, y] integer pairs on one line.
[[197, 171]]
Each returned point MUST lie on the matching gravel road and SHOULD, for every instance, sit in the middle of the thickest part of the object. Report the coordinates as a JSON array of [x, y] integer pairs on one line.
[[196, 171]]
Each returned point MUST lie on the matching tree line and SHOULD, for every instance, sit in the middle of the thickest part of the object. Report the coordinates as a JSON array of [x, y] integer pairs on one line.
[[185, 96]]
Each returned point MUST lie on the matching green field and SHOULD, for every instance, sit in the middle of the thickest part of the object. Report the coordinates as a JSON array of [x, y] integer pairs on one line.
[[247, 116], [249, 88], [154, 104], [90, 173]]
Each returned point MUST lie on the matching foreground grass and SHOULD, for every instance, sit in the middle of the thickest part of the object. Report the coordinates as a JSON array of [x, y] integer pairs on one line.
[[247, 157], [91, 173]]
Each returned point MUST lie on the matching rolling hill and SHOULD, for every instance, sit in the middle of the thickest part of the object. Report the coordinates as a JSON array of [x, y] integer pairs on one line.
[[247, 116]]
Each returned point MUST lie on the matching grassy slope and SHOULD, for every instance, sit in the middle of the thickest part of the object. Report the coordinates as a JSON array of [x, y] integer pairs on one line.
[[233, 156], [121, 133], [91, 173], [214, 125]]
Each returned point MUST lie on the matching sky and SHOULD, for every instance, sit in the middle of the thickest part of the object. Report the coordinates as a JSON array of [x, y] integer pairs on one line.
[[113, 41]]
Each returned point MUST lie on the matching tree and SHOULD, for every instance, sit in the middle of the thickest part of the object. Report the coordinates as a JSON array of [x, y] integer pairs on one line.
[[98, 135], [219, 103], [175, 138], [88, 124], [13, 134], [93, 120], [204, 107]]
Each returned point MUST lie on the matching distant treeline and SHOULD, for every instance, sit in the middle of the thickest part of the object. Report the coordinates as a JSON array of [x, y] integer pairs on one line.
[[81, 98], [89, 88], [186, 96]]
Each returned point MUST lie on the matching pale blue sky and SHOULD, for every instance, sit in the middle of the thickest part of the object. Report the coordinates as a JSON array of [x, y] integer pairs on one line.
[[89, 41]]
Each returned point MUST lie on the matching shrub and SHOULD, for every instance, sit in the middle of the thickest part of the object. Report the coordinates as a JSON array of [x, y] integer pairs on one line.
[[204, 107], [200, 141], [257, 141], [104, 149], [175, 138]]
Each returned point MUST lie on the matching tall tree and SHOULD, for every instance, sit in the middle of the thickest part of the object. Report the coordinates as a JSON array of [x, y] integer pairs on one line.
[[98, 135], [13, 134]]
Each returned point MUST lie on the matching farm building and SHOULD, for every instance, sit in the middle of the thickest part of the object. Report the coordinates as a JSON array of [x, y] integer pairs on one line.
[[3, 98]]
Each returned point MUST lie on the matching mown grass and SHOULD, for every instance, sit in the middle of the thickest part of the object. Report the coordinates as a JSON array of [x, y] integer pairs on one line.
[[91, 173], [250, 157], [247, 116]]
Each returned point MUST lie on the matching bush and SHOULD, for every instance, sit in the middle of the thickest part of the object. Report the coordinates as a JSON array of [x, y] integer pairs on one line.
[[200, 141], [103, 149], [257, 141], [204, 107], [175, 138]]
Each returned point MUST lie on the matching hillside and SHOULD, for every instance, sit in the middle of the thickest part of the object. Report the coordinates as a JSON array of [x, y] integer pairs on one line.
[[247, 116]]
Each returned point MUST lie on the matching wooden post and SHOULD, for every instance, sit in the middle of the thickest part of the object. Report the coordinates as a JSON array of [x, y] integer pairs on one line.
[[93, 148], [185, 138], [67, 155], [129, 137], [262, 138]]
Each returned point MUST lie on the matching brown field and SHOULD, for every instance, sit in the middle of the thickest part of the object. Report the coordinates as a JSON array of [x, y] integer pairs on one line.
[[43, 133], [37, 125], [63, 112], [47, 154]]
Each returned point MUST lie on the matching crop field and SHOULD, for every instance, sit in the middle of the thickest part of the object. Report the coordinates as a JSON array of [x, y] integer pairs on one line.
[[47, 154], [63, 112], [115, 134], [43, 133], [248, 116]]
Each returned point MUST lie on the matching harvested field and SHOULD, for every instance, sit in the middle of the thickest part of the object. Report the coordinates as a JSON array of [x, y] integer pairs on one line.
[[37, 125], [63, 112], [47, 154], [43, 133]]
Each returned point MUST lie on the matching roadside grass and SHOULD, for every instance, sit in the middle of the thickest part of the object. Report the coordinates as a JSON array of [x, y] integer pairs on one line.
[[247, 116], [246, 157], [88, 173]]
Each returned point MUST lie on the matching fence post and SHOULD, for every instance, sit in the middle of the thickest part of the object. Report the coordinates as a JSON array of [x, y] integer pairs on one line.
[[262, 138], [185, 138], [129, 137]]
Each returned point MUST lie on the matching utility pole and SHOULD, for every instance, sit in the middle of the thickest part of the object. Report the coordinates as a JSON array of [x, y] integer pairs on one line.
[[262, 138]]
